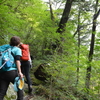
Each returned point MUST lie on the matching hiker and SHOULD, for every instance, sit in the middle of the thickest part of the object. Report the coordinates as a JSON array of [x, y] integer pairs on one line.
[[26, 65], [9, 76]]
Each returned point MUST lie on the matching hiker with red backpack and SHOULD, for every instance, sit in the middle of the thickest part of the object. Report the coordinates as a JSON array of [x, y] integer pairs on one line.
[[25, 65], [10, 67]]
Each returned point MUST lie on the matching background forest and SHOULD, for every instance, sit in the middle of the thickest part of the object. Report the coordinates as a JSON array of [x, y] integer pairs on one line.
[[64, 39]]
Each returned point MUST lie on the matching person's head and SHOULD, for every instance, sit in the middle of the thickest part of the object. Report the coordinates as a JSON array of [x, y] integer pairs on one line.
[[15, 41]]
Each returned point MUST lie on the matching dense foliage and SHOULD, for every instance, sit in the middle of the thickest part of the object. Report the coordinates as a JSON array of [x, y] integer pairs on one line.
[[65, 54]]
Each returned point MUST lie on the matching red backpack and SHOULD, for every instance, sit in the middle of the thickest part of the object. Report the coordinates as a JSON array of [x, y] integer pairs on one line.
[[25, 52]]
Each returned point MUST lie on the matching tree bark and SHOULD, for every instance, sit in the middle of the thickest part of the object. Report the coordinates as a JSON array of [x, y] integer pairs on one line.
[[63, 21], [91, 52], [51, 11], [78, 54], [65, 16]]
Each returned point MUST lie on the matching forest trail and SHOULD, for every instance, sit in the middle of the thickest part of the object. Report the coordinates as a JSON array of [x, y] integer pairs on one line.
[[29, 97]]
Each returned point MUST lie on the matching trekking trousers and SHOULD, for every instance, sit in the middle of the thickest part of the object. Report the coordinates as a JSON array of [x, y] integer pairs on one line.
[[5, 79]]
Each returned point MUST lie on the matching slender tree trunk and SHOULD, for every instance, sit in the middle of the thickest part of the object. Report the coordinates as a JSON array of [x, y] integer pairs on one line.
[[65, 16], [78, 54], [51, 11], [91, 52], [63, 21]]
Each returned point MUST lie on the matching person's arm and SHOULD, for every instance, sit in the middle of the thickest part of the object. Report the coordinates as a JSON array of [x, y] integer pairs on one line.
[[18, 64], [19, 68]]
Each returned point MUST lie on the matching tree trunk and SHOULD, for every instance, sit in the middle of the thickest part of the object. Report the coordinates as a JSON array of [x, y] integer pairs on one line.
[[90, 57], [78, 54], [63, 21], [65, 16], [51, 11]]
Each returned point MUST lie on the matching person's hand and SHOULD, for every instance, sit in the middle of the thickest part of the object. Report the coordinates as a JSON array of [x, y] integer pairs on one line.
[[21, 75]]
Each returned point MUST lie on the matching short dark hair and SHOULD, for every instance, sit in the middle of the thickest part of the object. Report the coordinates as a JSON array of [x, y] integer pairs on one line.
[[14, 41]]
